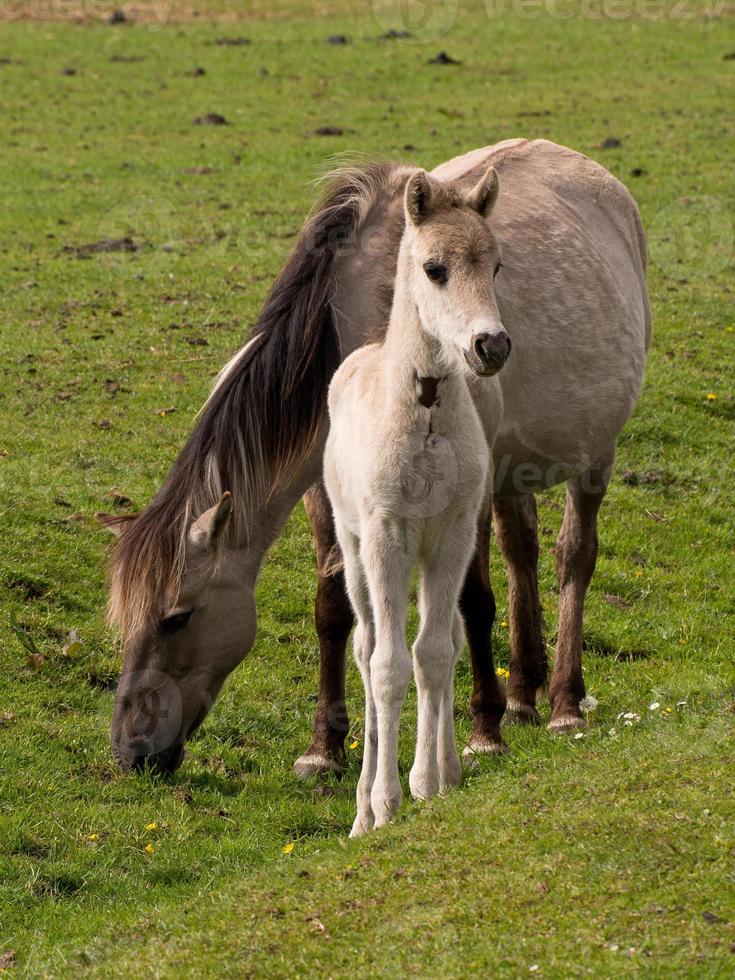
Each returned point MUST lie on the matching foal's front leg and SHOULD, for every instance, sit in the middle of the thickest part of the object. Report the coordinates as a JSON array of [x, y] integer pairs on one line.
[[436, 765], [387, 566]]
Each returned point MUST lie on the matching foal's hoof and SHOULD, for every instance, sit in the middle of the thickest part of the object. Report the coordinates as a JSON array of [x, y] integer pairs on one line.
[[566, 724], [315, 764], [520, 713], [479, 745], [363, 823]]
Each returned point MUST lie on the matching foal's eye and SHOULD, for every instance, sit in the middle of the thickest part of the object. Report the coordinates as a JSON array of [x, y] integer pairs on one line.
[[172, 624], [436, 272]]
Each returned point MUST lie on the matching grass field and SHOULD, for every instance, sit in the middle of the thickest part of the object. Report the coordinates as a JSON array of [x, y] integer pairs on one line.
[[612, 854]]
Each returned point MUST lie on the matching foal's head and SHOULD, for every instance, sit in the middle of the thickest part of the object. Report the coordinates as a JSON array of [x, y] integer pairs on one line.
[[454, 260]]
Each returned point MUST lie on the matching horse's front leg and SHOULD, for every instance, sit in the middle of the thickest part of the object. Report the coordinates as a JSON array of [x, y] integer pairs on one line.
[[333, 618]]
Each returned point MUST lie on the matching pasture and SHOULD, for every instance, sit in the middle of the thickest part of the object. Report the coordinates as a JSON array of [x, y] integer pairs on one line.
[[612, 853]]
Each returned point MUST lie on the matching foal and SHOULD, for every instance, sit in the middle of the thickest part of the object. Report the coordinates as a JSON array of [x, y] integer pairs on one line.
[[407, 468]]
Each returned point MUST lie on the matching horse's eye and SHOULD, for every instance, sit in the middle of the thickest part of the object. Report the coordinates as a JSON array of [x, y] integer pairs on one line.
[[436, 272], [498, 267], [172, 624]]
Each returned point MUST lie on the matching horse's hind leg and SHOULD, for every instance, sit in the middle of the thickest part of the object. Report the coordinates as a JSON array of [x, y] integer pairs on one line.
[[333, 617], [514, 520], [477, 605], [576, 554]]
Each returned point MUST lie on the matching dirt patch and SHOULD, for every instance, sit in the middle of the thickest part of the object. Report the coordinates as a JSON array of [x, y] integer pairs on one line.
[[125, 244]]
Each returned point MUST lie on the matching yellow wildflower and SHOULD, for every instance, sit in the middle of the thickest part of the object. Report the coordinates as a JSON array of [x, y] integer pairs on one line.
[[353, 745], [503, 672], [151, 826], [288, 847], [503, 623], [93, 837], [149, 848], [711, 396]]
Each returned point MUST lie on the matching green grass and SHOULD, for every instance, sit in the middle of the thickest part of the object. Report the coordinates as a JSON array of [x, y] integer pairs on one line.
[[548, 858]]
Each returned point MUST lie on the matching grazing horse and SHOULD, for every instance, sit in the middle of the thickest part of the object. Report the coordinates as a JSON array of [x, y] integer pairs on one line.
[[572, 296], [398, 411]]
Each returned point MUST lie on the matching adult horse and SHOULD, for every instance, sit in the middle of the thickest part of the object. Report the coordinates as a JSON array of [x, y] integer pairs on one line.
[[572, 296]]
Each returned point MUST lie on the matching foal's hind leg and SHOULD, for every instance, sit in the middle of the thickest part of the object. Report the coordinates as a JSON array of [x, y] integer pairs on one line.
[[363, 645], [450, 768], [576, 553], [333, 618], [514, 520], [477, 605]]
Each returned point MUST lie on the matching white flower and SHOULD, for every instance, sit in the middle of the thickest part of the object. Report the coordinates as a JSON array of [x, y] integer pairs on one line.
[[579, 735], [654, 706], [629, 716], [588, 704], [681, 704], [533, 968]]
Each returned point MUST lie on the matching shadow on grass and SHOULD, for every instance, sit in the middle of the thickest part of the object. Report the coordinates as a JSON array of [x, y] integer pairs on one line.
[[599, 647]]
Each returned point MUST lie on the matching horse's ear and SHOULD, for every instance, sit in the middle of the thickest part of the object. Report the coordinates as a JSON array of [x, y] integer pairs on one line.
[[114, 522], [207, 529], [484, 194], [419, 196]]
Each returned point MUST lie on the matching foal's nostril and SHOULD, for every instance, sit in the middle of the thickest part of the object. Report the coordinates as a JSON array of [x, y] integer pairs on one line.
[[492, 348]]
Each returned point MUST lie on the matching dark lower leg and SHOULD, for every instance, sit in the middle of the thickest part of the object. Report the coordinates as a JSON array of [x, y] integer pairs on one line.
[[477, 604], [333, 618], [576, 554], [516, 531]]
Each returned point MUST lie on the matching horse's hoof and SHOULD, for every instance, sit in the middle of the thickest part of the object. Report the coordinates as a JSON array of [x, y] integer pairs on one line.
[[566, 724], [520, 713], [484, 746], [313, 764]]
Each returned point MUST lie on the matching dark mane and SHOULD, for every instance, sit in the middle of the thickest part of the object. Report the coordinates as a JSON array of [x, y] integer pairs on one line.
[[263, 415]]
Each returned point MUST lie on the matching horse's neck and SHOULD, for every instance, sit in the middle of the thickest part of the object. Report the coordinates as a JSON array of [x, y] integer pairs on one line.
[[269, 515]]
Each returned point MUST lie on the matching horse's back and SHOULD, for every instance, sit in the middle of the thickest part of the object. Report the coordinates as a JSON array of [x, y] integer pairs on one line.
[[573, 297]]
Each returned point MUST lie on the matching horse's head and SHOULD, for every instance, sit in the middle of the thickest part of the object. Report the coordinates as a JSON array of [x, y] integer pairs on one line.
[[186, 625], [455, 259]]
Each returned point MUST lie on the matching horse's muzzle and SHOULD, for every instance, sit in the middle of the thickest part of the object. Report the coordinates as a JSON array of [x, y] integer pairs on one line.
[[488, 352], [138, 756]]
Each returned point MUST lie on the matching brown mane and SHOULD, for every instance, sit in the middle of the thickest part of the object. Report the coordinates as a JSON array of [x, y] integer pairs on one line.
[[263, 415]]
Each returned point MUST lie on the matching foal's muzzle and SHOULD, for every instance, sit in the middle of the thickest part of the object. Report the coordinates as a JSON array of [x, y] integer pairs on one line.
[[488, 352]]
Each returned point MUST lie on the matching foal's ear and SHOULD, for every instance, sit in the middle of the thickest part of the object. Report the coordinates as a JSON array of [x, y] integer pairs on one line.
[[484, 194], [419, 196], [206, 530]]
